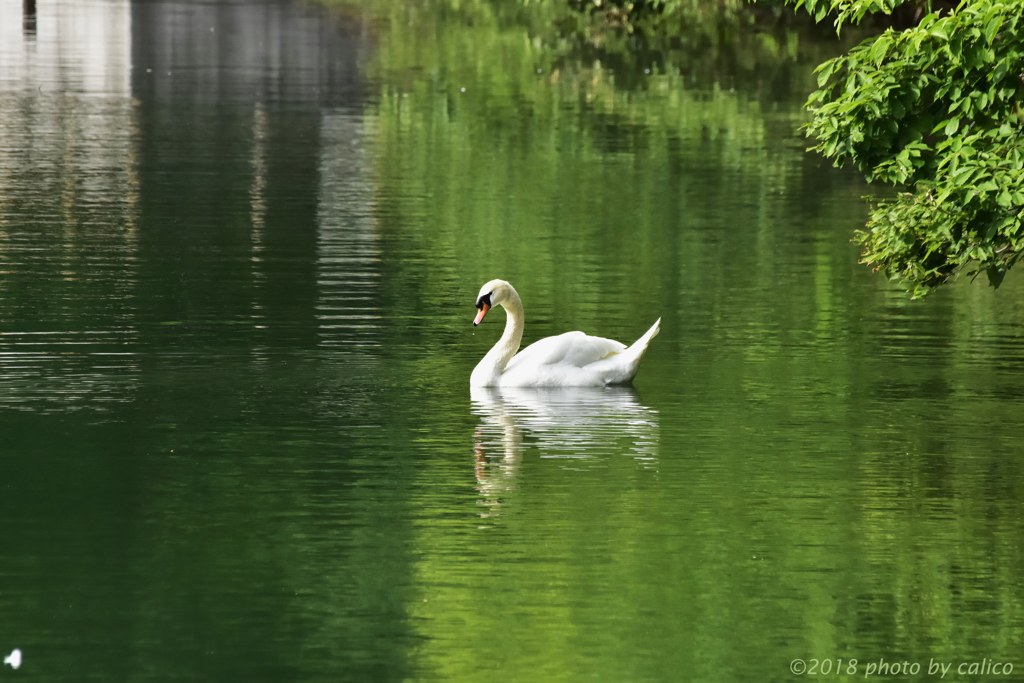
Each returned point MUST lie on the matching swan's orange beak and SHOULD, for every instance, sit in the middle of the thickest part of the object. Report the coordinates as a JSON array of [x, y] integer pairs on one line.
[[484, 307]]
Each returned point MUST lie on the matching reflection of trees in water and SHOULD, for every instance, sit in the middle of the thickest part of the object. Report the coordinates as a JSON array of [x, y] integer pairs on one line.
[[576, 425], [69, 207], [673, 157], [119, 155]]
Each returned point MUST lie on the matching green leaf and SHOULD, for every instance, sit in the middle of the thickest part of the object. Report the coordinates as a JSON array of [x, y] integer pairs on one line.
[[826, 72], [961, 178], [880, 48], [952, 126], [992, 28]]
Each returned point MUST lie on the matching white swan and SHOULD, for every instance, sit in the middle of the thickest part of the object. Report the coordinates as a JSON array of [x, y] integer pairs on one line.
[[572, 359]]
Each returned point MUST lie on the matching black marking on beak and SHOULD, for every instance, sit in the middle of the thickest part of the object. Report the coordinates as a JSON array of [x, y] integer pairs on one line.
[[483, 304]]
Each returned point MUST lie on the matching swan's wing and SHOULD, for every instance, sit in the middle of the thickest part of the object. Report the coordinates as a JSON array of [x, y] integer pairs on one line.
[[573, 349]]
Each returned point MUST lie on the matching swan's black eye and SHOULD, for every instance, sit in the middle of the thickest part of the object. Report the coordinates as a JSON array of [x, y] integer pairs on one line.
[[485, 299]]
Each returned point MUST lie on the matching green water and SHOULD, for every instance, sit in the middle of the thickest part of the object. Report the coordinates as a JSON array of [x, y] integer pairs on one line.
[[237, 276]]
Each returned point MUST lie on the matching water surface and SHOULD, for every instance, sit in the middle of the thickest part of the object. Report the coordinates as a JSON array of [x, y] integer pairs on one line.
[[239, 249]]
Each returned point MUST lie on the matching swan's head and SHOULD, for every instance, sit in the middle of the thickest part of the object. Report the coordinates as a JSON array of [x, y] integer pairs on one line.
[[494, 293]]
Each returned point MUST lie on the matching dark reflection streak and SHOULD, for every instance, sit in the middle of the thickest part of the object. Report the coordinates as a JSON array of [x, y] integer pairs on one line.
[[29, 17]]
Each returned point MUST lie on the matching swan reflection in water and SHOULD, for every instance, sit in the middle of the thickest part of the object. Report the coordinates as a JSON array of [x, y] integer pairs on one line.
[[582, 426]]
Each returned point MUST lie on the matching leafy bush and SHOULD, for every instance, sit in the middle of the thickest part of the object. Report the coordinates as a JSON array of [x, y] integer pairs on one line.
[[936, 111]]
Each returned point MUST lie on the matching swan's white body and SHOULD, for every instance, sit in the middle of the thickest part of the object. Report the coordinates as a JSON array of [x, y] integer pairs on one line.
[[572, 359]]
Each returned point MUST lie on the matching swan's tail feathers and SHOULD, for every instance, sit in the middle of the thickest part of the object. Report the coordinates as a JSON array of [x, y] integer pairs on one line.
[[640, 345], [624, 368]]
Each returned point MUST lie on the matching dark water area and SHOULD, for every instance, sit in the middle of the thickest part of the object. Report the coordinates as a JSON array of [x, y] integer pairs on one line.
[[240, 245]]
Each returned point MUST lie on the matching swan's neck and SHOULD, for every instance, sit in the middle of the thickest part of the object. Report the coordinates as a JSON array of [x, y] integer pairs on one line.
[[493, 364], [508, 345]]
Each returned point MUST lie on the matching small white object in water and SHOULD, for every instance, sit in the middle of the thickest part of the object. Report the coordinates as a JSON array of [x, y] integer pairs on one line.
[[14, 659], [463, 90]]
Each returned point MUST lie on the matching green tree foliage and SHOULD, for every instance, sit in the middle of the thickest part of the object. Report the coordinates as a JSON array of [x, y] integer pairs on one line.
[[936, 111]]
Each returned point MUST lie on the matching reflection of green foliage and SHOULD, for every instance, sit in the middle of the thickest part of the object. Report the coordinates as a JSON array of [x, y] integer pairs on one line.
[[544, 160], [664, 15], [692, 35], [675, 21], [546, 142], [934, 110]]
